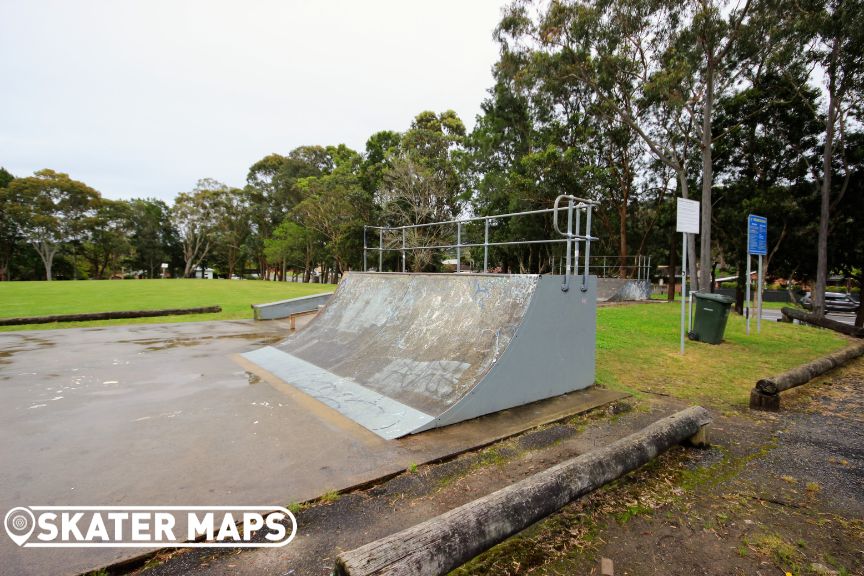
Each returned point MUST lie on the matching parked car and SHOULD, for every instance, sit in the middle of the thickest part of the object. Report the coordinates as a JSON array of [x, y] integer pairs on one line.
[[834, 302]]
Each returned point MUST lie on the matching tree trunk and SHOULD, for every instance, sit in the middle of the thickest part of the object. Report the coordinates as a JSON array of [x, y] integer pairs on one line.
[[46, 253], [859, 317], [825, 209], [670, 294], [740, 282], [705, 261], [623, 271]]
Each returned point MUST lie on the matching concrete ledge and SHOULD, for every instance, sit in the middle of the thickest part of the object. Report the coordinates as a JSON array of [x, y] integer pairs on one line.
[[286, 308]]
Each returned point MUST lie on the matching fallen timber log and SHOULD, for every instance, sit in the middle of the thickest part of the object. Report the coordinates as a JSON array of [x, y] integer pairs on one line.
[[441, 544], [847, 329], [106, 315], [766, 394]]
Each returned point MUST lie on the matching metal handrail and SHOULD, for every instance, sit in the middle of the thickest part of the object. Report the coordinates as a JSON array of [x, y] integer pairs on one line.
[[478, 218], [570, 237]]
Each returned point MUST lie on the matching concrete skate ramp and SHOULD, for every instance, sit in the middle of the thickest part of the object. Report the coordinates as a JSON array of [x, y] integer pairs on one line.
[[403, 353], [622, 289]]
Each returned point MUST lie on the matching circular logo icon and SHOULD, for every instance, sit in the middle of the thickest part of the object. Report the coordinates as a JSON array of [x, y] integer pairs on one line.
[[19, 523]]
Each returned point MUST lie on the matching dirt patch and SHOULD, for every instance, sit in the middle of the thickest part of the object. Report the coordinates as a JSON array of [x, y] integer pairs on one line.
[[775, 494]]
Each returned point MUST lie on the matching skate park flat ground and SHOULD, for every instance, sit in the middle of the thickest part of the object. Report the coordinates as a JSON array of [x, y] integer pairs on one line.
[[167, 414]]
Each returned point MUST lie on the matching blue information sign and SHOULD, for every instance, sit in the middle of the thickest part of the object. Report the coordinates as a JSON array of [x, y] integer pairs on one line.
[[757, 235]]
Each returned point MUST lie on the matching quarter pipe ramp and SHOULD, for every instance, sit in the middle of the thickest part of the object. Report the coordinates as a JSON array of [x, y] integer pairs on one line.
[[403, 353]]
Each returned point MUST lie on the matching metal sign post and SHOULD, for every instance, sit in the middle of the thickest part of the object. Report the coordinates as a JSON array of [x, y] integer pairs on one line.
[[757, 244], [688, 223]]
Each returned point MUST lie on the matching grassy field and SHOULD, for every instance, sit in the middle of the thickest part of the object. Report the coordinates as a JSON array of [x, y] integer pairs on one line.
[[234, 296], [638, 351]]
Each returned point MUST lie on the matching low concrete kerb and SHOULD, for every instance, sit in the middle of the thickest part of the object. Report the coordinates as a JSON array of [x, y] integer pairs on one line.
[[766, 394]]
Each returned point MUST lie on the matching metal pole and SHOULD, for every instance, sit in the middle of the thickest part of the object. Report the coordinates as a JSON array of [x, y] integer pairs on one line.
[[759, 299], [690, 312], [365, 267], [459, 246], [380, 250], [569, 267], [683, 287], [747, 296], [403, 250], [578, 231], [587, 248], [486, 247]]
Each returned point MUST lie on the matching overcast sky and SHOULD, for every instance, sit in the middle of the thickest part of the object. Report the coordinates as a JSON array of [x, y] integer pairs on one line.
[[141, 98]]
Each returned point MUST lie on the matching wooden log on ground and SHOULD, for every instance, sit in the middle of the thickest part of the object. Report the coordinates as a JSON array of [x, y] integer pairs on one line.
[[107, 315], [806, 372], [808, 318], [441, 544]]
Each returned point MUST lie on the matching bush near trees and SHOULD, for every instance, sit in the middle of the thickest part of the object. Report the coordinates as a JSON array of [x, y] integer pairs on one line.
[[748, 107]]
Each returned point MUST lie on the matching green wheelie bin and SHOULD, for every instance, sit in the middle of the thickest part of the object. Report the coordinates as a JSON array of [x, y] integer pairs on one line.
[[712, 311]]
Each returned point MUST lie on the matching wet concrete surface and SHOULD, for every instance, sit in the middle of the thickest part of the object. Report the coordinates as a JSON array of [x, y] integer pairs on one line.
[[166, 414], [360, 517]]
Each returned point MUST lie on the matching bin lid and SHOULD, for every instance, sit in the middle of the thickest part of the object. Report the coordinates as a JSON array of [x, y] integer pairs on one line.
[[714, 297]]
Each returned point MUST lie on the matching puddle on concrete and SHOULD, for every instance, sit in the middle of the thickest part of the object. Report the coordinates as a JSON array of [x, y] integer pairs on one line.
[[175, 343], [40, 342], [156, 344]]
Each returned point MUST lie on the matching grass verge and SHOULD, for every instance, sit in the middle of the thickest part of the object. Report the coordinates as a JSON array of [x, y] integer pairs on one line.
[[638, 351], [72, 297]]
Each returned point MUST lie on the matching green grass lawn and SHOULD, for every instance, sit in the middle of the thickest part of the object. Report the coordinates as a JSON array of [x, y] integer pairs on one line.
[[71, 297], [638, 351]]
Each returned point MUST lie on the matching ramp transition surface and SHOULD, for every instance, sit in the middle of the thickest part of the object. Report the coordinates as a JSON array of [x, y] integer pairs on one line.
[[403, 353]]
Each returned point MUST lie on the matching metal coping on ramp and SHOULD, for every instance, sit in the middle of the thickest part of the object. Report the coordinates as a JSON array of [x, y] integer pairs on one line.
[[403, 353]]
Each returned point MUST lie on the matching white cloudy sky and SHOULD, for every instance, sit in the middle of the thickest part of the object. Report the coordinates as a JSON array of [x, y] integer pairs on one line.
[[144, 97]]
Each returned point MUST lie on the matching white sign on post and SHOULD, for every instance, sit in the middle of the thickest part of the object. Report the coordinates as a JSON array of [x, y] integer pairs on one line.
[[688, 223], [688, 216]]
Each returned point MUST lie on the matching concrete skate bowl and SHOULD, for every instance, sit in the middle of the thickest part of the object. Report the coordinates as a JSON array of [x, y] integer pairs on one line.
[[623, 290], [403, 353]]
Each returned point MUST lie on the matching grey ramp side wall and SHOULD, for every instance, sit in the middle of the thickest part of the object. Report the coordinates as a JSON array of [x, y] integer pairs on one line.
[[552, 353], [623, 289]]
